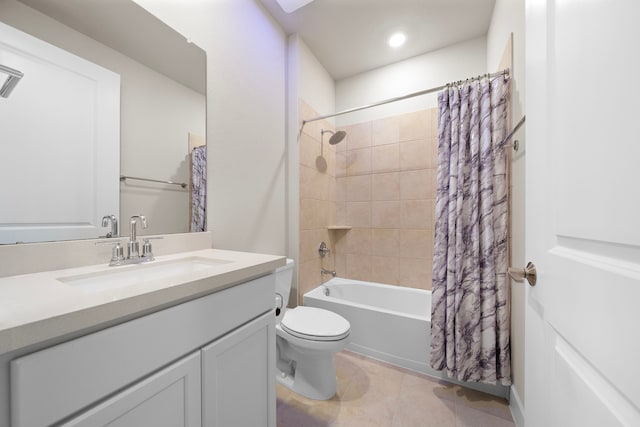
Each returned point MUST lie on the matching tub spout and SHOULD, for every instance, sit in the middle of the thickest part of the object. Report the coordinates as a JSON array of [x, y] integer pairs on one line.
[[325, 271]]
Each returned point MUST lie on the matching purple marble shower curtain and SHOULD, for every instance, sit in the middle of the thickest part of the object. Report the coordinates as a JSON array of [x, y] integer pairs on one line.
[[470, 297], [199, 189]]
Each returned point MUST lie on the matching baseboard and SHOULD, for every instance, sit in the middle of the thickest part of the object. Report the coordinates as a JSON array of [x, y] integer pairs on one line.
[[516, 407]]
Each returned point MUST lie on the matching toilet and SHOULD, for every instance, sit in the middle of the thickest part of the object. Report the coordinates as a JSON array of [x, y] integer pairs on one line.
[[306, 340]]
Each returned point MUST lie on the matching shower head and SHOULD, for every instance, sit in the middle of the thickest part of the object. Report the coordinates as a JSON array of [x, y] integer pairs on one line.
[[336, 137]]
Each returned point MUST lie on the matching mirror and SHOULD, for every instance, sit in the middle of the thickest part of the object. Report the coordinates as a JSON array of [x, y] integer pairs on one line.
[[162, 116]]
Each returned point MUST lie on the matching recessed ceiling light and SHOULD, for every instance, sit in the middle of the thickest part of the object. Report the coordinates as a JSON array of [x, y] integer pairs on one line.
[[397, 39], [292, 5]]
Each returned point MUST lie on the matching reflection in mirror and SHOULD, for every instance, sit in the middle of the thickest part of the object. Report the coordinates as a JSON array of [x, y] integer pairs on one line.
[[52, 154]]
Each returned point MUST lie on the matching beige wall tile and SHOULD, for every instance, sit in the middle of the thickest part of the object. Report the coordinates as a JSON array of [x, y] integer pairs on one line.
[[417, 184], [310, 276], [341, 189], [416, 125], [433, 153], [433, 113], [417, 213], [416, 244], [414, 273], [309, 150], [385, 242], [384, 270], [385, 186], [326, 214], [359, 188], [359, 267], [340, 264], [308, 245], [414, 155], [385, 158], [385, 131], [306, 182], [341, 164], [341, 214], [307, 214], [359, 241], [359, 214], [385, 214], [358, 161], [358, 136], [338, 242]]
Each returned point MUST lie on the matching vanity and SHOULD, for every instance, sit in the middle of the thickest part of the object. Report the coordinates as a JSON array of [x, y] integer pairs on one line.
[[185, 340]]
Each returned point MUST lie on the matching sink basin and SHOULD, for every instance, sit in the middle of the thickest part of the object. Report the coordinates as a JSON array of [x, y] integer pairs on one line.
[[159, 273]]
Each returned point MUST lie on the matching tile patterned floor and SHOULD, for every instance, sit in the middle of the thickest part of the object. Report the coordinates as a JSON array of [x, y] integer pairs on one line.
[[372, 393]]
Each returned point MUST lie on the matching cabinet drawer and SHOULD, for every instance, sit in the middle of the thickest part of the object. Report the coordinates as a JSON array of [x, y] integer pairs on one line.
[[52, 384]]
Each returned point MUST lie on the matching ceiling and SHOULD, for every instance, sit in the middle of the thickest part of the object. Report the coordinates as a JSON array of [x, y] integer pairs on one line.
[[350, 36], [128, 28]]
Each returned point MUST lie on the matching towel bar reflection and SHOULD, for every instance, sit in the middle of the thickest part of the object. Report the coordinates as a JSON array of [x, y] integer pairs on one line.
[[123, 178], [11, 82]]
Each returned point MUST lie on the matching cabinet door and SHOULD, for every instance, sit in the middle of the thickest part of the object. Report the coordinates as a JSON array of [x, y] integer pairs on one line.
[[169, 398], [239, 377]]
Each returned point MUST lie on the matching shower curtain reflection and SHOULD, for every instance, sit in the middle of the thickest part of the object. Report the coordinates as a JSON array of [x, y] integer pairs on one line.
[[199, 189]]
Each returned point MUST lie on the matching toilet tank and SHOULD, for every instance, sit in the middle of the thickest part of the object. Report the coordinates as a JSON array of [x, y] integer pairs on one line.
[[284, 278]]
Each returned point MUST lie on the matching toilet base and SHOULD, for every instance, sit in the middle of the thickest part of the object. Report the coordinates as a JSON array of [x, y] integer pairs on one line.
[[314, 377]]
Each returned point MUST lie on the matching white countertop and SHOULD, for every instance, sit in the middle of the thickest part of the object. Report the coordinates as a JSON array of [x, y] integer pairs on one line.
[[39, 307]]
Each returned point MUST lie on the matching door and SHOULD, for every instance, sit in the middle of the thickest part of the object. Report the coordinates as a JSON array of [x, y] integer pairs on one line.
[[583, 213], [59, 143], [169, 398], [238, 377]]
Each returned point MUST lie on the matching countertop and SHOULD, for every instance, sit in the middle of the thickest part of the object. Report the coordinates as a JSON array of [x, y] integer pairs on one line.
[[36, 308]]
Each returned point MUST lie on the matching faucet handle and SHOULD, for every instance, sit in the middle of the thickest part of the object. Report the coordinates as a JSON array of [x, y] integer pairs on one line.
[[147, 252], [117, 253]]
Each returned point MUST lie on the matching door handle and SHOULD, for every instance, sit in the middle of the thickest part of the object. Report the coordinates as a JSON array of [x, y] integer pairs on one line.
[[528, 273]]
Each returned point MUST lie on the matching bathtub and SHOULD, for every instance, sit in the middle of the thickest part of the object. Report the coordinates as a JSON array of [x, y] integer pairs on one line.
[[388, 323]]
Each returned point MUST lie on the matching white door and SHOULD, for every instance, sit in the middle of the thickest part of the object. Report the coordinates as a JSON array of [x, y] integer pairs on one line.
[[583, 213], [59, 143]]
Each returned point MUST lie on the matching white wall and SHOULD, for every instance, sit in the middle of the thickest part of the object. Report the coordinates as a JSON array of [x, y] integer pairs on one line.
[[153, 134], [508, 17], [246, 57], [432, 69]]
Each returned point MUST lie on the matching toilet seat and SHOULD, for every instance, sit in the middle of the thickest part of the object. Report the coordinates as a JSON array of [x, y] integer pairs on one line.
[[315, 324]]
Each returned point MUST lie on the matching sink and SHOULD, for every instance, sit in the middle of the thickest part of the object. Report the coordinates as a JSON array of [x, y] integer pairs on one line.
[[158, 273]]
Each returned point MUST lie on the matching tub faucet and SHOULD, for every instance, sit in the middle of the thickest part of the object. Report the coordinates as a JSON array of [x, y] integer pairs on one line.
[[325, 271]]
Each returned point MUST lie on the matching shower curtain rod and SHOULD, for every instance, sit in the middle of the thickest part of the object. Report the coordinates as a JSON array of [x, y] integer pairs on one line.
[[410, 95]]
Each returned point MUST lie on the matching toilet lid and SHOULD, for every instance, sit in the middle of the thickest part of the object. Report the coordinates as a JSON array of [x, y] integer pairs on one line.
[[315, 324]]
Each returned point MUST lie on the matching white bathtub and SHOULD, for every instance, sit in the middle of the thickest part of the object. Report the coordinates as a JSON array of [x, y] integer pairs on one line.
[[389, 323]]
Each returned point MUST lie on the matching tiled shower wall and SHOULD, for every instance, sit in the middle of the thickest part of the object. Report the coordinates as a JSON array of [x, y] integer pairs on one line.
[[385, 190], [317, 199], [380, 181]]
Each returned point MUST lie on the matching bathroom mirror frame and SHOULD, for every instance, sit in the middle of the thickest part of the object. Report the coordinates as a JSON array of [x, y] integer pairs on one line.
[[128, 30]]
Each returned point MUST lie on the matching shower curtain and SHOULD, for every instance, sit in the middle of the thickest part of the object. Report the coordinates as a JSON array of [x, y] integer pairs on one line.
[[199, 189], [470, 295]]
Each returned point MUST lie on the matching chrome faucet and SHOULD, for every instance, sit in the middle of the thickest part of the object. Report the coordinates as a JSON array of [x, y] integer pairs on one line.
[[114, 225], [325, 271], [133, 247]]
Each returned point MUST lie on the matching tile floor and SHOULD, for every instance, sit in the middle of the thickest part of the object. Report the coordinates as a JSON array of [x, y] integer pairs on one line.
[[372, 393]]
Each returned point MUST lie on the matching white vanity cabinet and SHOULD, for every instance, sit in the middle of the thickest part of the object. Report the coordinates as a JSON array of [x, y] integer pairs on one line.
[[238, 381], [208, 361], [169, 398]]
